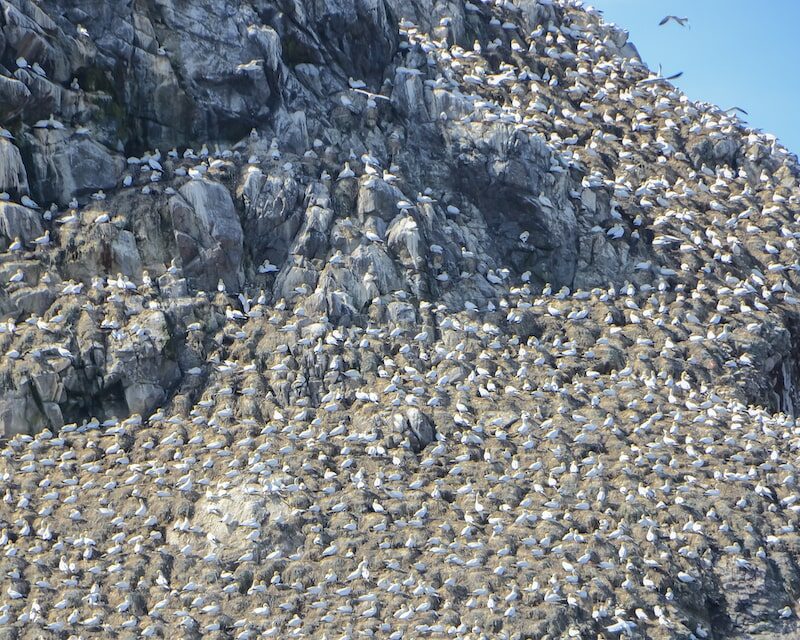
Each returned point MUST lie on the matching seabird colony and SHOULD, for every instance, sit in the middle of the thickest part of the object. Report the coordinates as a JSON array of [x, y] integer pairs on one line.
[[540, 462]]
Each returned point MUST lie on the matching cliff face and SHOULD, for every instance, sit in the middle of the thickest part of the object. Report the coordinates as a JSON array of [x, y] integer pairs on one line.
[[134, 78], [387, 317]]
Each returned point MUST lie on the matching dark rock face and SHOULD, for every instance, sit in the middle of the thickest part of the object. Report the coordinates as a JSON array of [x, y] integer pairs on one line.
[[175, 72], [172, 74], [65, 167], [386, 318]]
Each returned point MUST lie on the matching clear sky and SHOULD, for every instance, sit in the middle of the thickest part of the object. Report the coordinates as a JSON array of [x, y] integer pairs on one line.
[[743, 53]]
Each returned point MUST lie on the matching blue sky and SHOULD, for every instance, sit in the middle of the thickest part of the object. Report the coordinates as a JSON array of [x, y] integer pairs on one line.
[[743, 53]]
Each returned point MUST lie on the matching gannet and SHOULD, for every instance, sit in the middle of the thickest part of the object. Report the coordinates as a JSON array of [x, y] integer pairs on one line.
[[370, 95], [29, 202], [684, 22], [347, 172], [43, 240]]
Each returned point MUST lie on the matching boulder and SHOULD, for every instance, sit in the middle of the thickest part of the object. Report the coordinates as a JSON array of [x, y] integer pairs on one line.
[[13, 177], [17, 221], [65, 167], [377, 198], [208, 233], [417, 427], [144, 397], [262, 510], [272, 214], [408, 95], [14, 418], [14, 97], [405, 239]]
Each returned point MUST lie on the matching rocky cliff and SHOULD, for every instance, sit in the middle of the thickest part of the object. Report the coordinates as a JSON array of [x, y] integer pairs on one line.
[[387, 318]]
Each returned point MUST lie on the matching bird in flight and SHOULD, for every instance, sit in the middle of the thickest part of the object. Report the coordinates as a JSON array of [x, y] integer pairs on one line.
[[684, 22], [733, 109], [369, 94], [660, 77]]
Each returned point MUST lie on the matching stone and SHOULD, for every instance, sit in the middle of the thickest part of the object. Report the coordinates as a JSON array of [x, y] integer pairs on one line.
[[261, 511], [125, 256], [14, 97], [54, 419], [17, 221], [208, 233], [405, 239], [372, 259], [377, 198], [13, 177], [271, 218], [46, 96], [144, 397], [408, 95], [13, 419], [417, 427], [65, 168], [292, 130], [312, 239], [32, 300], [47, 386]]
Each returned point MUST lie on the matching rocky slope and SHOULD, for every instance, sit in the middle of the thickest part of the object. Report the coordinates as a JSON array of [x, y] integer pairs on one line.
[[387, 318]]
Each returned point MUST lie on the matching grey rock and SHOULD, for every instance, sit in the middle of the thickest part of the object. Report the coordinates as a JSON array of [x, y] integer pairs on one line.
[[143, 397], [31, 300], [141, 366], [401, 314], [312, 239], [47, 386], [14, 97], [13, 177], [64, 167], [272, 217], [46, 96], [17, 221], [292, 130], [53, 418], [15, 418], [417, 427], [405, 239], [408, 95], [712, 154], [208, 233], [371, 261], [295, 276], [377, 198]]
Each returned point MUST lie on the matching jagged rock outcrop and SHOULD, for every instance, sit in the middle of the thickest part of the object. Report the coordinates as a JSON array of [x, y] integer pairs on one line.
[[397, 318], [208, 233]]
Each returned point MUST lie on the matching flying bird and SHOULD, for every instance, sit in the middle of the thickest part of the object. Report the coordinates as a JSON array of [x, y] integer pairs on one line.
[[369, 94], [684, 22], [660, 77]]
